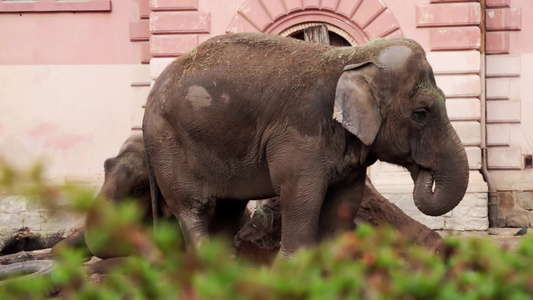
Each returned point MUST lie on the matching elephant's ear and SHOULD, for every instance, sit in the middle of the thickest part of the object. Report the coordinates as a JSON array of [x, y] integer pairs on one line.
[[355, 106]]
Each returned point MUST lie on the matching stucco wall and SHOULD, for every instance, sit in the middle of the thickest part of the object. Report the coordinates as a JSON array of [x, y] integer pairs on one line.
[[66, 98], [70, 38], [71, 116]]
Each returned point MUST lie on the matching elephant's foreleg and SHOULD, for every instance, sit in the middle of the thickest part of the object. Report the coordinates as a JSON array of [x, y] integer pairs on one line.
[[300, 210]]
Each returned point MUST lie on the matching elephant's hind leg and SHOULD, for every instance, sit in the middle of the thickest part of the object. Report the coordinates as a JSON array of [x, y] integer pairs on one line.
[[192, 213], [182, 192]]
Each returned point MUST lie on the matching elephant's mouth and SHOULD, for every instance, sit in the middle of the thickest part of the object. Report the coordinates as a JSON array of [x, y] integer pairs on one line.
[[415, 169]]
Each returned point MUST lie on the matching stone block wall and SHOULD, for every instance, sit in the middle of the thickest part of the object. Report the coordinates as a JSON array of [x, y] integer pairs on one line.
[[515, 208], [17, 212]]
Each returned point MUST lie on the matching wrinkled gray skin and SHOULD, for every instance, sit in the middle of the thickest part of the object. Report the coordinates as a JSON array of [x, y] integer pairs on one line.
[[253, 116]]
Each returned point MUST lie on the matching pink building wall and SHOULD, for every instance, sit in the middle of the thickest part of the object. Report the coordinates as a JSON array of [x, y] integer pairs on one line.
[[66, 84], [71, 87], [78, 38], [75, 81]]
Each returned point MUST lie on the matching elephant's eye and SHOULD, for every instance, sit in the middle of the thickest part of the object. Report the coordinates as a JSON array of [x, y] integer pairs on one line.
[[419, 115]]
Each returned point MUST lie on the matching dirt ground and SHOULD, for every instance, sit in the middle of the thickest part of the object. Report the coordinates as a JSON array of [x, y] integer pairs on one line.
[[501, 236]]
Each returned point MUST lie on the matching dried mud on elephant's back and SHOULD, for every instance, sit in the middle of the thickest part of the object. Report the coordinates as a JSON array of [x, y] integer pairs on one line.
[[270, 56]]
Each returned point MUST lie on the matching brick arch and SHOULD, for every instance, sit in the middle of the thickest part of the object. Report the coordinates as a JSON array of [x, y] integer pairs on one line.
[[361, 19]]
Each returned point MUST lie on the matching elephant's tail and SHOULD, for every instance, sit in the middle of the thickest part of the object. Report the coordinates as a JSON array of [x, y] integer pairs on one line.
[[155, 194]]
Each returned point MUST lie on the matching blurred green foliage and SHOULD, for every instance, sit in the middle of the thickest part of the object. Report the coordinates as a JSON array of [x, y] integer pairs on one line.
[[370, 263]]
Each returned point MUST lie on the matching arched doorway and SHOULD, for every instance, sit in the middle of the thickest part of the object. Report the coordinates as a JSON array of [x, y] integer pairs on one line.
[[336, 36], [359, 20]]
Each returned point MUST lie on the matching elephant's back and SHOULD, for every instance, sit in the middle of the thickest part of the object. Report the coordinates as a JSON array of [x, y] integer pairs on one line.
[[232, 90], [237, 78], [253, 51], [245, 59]]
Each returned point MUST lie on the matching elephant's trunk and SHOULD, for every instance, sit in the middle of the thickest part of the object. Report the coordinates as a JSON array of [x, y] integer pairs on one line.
[[439, 189]]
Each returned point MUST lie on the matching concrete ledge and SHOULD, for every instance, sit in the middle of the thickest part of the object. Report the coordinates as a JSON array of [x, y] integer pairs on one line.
[[180, 22], [459, 86], [498, 134], [455, 38], [504, 19], [504, 158], [454, 14], [470, 214], [56, 6], [503, 65], [498, 3], [18, 212], [498, 42], [498, 88], [463, 109], [172, 45], [469, 132], [504, 111], [454, 62], [139, 30], [158, 5]]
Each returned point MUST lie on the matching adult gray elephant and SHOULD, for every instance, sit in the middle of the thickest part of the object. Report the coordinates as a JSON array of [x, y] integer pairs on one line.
[[252, 116]]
